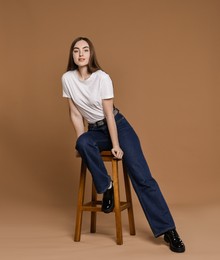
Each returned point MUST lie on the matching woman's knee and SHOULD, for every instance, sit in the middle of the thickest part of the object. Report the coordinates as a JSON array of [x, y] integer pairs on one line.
[[83, 142]]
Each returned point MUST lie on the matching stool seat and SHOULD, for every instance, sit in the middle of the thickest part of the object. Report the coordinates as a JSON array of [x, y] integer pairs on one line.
[[94, 205]]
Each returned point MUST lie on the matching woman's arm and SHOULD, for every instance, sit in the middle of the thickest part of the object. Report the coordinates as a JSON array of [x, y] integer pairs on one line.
[[76, 118], [108, 111]]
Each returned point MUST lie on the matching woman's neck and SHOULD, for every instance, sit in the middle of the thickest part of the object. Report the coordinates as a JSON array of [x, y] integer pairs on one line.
[[83, 73]]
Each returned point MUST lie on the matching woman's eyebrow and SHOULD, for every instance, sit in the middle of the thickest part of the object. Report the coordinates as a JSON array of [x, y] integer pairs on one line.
[[82, 47]]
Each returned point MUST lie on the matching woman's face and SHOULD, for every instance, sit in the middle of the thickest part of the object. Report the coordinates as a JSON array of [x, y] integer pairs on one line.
[[81, 53]]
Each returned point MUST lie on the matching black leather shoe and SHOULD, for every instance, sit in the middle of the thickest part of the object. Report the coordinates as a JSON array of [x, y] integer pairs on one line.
[[176, 244], [108, 200]]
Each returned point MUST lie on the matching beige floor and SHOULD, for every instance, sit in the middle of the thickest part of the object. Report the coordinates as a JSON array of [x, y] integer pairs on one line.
[[31, 232]]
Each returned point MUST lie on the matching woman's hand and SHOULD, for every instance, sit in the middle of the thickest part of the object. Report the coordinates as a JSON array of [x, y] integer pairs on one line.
[[117, 152]]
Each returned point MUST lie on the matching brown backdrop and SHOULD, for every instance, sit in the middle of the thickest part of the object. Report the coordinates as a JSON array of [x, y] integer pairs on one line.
[[163, 57]]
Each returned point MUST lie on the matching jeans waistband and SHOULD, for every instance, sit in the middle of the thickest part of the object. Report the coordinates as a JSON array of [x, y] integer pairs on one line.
[[103, 121]]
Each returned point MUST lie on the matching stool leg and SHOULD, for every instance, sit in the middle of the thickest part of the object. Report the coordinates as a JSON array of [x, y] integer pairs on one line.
[[93, 214], [81, 193], [129, 200], [119, 238]]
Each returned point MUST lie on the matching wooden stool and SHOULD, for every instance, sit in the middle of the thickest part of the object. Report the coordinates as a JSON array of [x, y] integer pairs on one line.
[[94, 205]]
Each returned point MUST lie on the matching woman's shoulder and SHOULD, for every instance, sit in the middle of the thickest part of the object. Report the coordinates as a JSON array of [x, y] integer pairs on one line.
[[68, 74], [102, 74]]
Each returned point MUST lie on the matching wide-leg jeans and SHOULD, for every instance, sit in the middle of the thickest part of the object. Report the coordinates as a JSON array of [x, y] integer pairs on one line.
[[97, 139]]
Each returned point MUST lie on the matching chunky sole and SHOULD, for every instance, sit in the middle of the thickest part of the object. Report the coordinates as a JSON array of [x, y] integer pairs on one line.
[[108, 210], [172, 248]]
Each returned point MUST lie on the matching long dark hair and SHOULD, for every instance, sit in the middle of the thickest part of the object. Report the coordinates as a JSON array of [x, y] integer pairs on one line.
[[93, 64]]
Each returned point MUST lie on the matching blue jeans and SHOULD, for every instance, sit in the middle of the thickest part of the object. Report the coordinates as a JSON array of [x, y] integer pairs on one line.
[[97, 139]]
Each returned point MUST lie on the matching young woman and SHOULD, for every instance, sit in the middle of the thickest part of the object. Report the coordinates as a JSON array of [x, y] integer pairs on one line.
[[90, 96]]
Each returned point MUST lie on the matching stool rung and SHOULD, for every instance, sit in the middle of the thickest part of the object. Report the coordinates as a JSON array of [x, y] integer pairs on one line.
[[92, 206]]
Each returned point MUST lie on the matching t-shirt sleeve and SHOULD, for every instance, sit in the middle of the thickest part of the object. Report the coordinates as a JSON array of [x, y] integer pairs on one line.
[[107, 90], [66, 93]]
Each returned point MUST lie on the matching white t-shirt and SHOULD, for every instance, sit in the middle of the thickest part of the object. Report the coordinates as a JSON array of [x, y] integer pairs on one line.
[[88, 94]]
